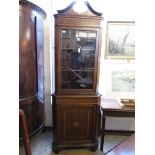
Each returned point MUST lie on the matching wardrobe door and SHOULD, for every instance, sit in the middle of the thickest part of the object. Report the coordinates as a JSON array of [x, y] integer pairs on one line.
[[27, 56]]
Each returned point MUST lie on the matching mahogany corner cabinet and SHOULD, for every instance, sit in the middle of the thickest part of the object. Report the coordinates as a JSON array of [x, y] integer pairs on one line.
[[76, 101]]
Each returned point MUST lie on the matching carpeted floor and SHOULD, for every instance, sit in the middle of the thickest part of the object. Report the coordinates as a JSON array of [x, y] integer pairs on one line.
[[42, 145]]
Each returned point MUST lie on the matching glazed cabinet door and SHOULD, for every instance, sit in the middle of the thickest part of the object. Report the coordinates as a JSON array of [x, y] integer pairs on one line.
[[77, 60]]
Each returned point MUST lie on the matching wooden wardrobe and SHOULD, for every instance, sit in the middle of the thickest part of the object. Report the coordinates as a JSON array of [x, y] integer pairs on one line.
[[31, 64]]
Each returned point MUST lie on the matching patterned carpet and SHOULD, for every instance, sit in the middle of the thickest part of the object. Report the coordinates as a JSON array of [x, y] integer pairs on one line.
[[42, 145]]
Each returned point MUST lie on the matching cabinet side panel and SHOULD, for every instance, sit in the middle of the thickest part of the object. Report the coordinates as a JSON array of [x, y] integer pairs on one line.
[[27, 56]]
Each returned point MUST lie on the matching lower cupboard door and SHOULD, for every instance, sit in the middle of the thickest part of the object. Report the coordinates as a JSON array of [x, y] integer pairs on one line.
[[77, 123]]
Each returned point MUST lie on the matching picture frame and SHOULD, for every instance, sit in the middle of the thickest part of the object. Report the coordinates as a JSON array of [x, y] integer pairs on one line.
[[120, 40], [118, 73], [123, 81]]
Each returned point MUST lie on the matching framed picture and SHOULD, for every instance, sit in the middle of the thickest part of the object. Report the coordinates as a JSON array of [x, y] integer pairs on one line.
[[123, 81], [118, 81], [120, 40]]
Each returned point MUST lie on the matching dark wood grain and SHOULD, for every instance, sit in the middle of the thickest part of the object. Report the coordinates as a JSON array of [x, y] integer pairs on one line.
[[33, 6], [27, 56], [26, 140], [31, 95], [76, 121]]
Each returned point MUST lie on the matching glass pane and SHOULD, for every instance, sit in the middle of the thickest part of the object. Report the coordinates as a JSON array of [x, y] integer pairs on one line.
[[77, 59]]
